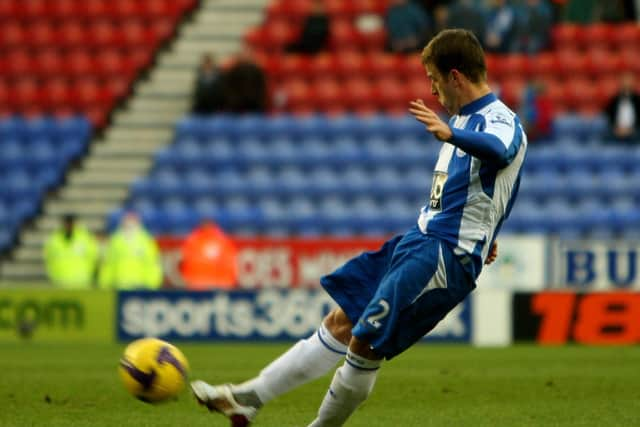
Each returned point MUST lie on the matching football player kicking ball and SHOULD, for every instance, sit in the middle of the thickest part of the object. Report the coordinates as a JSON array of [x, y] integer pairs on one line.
[[391, 298]]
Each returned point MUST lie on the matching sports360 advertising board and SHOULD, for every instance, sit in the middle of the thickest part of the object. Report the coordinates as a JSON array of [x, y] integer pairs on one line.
[[244, 315]]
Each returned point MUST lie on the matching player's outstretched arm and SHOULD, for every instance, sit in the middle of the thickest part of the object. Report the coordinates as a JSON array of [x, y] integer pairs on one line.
[[431, 120]]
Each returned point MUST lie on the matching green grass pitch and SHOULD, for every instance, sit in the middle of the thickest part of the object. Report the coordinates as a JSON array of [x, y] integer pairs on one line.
[[430, 385]]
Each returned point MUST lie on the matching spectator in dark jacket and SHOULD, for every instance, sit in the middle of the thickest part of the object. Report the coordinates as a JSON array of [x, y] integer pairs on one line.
[[501, 26], [623, 112], [315, 31], [407, 25], [244, 85], [207, 94], [535, 18]]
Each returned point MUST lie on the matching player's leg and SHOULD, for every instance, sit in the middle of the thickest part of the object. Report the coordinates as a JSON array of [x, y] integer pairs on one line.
[[305, 361], [424, 282], [352, 286], [351, 385]]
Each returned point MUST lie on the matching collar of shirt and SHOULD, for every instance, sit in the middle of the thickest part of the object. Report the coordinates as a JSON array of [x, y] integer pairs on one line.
[[478, 104]]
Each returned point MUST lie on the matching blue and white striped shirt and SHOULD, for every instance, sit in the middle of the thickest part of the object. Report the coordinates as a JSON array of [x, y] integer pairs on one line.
[[476, 179]]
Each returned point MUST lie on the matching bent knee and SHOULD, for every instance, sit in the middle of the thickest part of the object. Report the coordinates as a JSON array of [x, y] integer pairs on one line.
[[339, 325]]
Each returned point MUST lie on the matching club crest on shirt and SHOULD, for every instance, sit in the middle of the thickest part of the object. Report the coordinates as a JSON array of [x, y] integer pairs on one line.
[[460, 153]]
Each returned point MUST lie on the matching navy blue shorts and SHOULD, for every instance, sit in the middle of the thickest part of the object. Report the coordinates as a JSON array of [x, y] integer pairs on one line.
[[398, 294]]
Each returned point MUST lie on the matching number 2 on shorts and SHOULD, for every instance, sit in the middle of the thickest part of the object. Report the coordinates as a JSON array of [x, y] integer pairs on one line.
[[373, 320]]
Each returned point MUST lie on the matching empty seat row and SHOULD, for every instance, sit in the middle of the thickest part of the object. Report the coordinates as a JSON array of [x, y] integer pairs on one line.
[[93, 9], [599, 34], [34, 155], [74, 33]]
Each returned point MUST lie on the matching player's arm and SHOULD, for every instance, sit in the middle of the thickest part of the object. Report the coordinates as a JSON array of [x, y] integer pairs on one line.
[[493, 253], [492, 145]]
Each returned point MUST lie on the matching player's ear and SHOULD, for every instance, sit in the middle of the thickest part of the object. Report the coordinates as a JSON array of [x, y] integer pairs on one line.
[[454, 75]]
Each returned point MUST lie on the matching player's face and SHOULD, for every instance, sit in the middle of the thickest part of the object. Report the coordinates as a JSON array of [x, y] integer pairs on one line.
[[443, 88]]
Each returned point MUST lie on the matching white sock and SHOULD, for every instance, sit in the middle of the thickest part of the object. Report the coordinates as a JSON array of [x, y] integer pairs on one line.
[[351, 385], [307, 360]]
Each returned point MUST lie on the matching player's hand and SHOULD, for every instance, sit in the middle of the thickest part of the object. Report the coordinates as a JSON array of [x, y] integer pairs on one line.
[[431, 120], [493, 254]]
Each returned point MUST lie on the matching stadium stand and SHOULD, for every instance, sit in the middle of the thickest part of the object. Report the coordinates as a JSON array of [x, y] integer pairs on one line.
[[319, 175], [78, 57]]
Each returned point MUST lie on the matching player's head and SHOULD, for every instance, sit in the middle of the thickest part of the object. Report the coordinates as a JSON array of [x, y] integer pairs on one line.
[[454, 60]]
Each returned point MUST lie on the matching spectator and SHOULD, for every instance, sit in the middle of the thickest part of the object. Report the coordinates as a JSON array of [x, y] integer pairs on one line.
[[209, 259], [207, 94], [623, 111], [131, 258], [70, 255], [244, 85], [407, 25], [466, 14], [315, 31], [501, 26], [535, 19], [536, 111], [581, 11]]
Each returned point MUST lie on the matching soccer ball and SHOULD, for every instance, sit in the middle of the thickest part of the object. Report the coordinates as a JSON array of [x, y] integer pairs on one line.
[[153, 370]]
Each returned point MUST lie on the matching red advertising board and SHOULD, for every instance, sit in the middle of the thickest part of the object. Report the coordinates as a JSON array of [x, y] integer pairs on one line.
[[280, 263], [585, 318]]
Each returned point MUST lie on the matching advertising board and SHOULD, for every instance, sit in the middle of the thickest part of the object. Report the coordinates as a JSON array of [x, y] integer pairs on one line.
[[46, 314]]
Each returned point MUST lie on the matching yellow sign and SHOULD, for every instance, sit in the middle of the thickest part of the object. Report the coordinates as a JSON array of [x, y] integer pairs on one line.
[[56, 315]]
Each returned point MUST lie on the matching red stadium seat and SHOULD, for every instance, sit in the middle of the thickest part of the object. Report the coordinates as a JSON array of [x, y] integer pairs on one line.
[[72, 34], [565, 35], [48, 62], [554, 88], [328, 95], [597, 34], [288, 9], [605, 88], [570, 62], [580, 95], [625, 35], [162, 29], [630, 59], [25, 95], [298, 96], [350, 63], [162, 8], [104, 35], [342, 34], [602, 61], [79, 63], [96, 9], [57, 92], [324, 64], [383, 64], [511, 90], [391, 95], [511, 65], [35, 8], [135, 34], [118, 86], [544, 65], [64, 9], [13, 35], [292, 66], [41, 33], [411, 67], [19, 63], [359, 96]]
